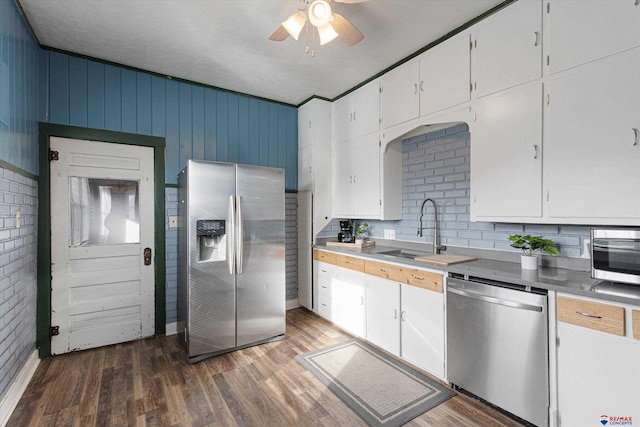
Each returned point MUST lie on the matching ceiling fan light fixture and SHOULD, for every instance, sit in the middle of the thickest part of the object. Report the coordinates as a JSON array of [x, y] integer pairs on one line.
[[327, 33], [320, 13], [294, 24]]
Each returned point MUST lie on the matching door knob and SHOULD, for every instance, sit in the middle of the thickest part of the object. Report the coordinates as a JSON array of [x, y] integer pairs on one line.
[[147, 256]]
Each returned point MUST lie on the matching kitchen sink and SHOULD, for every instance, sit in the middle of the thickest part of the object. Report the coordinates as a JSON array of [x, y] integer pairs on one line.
[[401, 253]]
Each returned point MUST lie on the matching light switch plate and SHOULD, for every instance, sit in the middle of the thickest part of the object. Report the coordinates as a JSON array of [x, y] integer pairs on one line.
[[389, 233], [173, 222]]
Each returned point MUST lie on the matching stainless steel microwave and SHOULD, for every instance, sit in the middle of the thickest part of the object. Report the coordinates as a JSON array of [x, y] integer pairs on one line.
[[615, 254]]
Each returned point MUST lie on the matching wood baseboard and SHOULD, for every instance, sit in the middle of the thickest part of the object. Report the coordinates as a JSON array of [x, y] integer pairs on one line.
[[11, 399]]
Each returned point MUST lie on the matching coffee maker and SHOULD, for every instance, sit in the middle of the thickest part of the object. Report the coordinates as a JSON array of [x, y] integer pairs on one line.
[[346, 232]]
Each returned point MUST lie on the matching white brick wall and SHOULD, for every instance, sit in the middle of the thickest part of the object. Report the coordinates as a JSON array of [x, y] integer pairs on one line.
[[18, 281]]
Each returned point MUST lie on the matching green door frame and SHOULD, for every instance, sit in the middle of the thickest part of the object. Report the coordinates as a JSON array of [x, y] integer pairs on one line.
[[47, 130]]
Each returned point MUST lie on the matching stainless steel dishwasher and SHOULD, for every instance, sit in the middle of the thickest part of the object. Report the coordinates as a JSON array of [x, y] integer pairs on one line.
[[497, 344]]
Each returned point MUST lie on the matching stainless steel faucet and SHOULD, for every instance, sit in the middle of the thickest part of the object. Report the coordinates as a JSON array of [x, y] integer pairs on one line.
[[436, 247]]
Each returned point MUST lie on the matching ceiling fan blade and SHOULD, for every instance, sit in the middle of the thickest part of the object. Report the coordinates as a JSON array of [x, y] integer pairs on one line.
[[346, 30], [279, 34]]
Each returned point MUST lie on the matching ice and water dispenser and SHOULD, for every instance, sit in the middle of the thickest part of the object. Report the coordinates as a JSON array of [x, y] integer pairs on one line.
[[212, 242]]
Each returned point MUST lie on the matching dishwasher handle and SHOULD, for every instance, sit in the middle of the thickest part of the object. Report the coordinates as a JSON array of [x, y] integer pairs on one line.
[[493, 300]]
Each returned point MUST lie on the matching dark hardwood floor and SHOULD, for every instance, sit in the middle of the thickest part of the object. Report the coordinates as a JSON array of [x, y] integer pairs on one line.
[[149, 383]]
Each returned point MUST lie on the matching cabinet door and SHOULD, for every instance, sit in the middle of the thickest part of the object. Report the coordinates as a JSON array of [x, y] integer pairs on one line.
[[582, 31], [347, 293], [593, 152], [506, 157], [342, 116], [383, 313], [508, 48], [305, 115], [366, 109], [597, 374], [305, 168], [422, 326], [445, 78], [400, 98], [322, 191], [365, 164], [342, 180]]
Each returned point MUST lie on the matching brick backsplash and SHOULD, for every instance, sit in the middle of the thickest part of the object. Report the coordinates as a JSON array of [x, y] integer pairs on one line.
[[18, 286], [437, 165]]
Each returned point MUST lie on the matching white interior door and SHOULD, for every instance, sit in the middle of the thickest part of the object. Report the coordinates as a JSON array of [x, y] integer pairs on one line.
[[102, 235]]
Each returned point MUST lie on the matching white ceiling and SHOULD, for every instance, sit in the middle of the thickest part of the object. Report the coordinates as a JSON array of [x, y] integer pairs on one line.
[[224, 43]]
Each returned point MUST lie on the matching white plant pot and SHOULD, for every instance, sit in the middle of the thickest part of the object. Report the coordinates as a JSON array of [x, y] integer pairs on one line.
[[529, 262], [359, 241]]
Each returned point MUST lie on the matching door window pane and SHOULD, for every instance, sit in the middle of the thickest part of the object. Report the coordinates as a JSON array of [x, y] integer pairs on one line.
[[103, 211]]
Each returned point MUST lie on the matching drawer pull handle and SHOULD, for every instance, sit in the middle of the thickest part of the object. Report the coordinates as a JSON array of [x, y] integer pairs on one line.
[[384, 271], [635, 133], [593, 316], [537, 42], [348, 262], [402, 316], [417, 277]]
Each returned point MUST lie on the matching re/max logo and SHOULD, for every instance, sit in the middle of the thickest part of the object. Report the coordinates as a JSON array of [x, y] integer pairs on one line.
[[616, 421]]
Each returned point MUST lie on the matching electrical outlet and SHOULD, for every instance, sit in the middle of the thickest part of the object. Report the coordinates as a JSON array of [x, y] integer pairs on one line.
[[18, 219], [389, 233], [173, 222]]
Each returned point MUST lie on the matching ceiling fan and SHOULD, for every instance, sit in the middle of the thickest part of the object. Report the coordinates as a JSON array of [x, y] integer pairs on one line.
[[329, 24]]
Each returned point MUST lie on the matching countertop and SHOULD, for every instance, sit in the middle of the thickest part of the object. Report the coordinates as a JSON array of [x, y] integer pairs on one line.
[[550, 278]]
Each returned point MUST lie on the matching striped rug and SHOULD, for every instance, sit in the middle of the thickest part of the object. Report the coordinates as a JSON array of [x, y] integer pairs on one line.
[[380, 389]]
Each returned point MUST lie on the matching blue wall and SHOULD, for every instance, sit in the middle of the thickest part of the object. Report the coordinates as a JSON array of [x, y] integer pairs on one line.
[[21, 86], [197, 122]]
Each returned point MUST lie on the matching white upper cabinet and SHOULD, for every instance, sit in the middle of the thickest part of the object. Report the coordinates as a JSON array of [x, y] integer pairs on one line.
[[592, 153], [400, 94], [436, 80], [445, 79], [507, 48], [506, 155], [357, 114], [357, 178], [582, 31]]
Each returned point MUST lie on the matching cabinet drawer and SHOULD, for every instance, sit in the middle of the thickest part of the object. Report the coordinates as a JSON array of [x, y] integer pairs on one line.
[[423, 279], [409, 276], [384, 270], [635, 314], [324, 307], [349, 262], [594, 315], [324, 256]]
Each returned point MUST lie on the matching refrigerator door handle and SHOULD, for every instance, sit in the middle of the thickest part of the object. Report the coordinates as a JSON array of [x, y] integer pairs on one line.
[[240, 236], [231, 236]]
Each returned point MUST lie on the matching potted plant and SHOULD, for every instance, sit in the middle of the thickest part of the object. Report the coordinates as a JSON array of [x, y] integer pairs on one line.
[[531, 245], [361, 230]]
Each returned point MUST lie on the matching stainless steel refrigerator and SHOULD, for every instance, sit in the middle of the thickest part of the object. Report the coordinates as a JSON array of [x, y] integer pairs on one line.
[[231, 257]]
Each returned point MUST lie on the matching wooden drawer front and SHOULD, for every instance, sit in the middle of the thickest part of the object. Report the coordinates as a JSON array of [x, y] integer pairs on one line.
[[409, 276], [593, 315], [324, 256], [423, 279], [352, 263], [635, 314], [384, 270]]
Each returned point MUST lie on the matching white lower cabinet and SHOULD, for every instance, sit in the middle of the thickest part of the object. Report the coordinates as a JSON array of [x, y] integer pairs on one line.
[[407, 321], [383, 313], [598, 373], [422, 322], [347, 296]]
